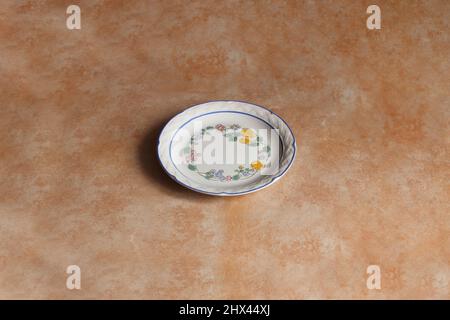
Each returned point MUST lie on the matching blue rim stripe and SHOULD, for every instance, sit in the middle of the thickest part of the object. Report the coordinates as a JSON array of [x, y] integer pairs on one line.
[[226, 193]]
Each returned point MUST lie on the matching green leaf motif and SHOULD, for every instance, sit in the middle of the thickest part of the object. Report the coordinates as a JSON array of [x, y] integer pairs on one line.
[[192, 167]]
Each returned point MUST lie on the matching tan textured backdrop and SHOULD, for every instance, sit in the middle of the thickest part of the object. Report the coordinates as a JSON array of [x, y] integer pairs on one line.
[[80, 184]]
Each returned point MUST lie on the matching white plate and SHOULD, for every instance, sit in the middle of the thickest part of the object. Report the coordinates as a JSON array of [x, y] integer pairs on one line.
[[226, 148]]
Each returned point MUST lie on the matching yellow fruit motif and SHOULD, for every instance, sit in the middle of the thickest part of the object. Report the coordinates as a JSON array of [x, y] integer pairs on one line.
[[257, 165]]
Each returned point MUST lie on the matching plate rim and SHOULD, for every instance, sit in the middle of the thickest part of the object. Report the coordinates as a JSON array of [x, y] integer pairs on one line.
[[224, 193]]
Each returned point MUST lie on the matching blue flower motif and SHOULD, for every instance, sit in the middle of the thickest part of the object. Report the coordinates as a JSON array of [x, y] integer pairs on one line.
[[219, 175]]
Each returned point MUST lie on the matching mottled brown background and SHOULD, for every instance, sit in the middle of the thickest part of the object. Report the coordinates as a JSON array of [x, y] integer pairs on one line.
[[80, 184]]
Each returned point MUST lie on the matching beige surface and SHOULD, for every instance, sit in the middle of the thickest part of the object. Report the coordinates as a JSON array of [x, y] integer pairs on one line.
[[80, 112]]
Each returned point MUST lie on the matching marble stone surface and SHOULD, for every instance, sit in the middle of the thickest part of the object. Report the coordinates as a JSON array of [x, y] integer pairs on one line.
[[80, 183]]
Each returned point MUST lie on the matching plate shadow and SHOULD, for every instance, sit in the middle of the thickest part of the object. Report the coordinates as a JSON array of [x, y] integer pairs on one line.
[[151, 167]]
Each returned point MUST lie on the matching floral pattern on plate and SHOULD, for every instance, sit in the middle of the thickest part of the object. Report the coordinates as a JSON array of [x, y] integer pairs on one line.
[[233, 133]]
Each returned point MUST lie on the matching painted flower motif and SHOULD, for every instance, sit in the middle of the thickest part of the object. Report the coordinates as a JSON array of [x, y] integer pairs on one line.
[[246, 132], [257, 165], [247, 136], [247, 172], [235, 127], [244, 140], [228, 178], [219, 175], [220, 127]]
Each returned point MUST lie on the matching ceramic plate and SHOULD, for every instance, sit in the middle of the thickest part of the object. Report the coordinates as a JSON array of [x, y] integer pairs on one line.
[[226, 148]]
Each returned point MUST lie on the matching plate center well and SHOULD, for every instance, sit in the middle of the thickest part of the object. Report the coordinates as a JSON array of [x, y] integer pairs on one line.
[[225, 148]]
